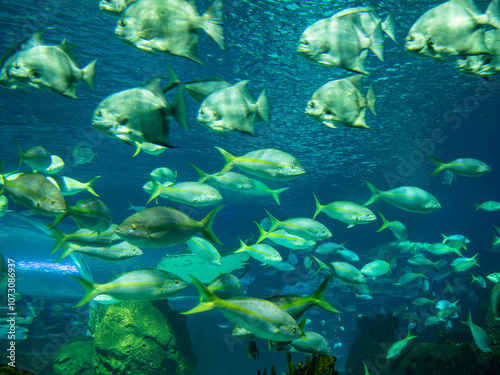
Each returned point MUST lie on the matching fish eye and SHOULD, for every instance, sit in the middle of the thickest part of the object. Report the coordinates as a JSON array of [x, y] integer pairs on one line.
[[36, 74], [312, 104], [98, 113], [122, 120], [202, 111], [52, 202], [294, 329], [133, 226], [122, 23], [176, 282]]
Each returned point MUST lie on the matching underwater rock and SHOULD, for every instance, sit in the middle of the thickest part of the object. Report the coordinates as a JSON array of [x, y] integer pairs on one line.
[[75, 358], [380, 327], [318, 365], [143, 338]]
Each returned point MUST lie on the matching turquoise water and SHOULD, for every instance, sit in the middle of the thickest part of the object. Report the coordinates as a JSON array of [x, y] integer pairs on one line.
[[425, 107]]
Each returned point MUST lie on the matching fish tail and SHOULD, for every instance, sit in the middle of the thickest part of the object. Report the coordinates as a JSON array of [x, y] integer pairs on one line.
[[377, 43], [439, 165], [21, 155], [229, 160], [276, 193], [89, 186], [477, 207], [319, 206], [58, 219], [90, 290], [274, 222], [214, 21], [493, 12], [66, 251], [263, 106], [375, 193], [156, 190], [203, 175], [88, 75], [179, 109], [207, 225], [322, 265], [61, 239], [389, 27], [319, 296], [385, 222], [371, 99], [444, 237], [207, 298], [262, 233], [242, 248], [138, 148]]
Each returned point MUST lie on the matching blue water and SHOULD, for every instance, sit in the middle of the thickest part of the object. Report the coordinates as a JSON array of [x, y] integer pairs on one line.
[[415, 102]]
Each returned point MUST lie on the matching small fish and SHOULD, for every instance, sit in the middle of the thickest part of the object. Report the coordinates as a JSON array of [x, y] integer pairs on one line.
[[114, 8], [444, 304], [70, 186], [148, 148], [409, 277], [37, 158], [92, 214], [233, 108], [83, 155], [263, 253], [464, 264], [479, 280], [408, 198], [433, 320], [204, 250], [348, 212], [163, 175], [342, 103], [262, 318], [119, 251], [4, 205], [349, 255], [441, 249], [252, 350], [313, 343], [56, 165], [229, 180], [398, 346], [304, 227], [347, 273], [494, 277], [329, 248], [490, 206], [464, 167], [135, 208], [191, 193], [261, 189], [376, 268], [422, 301], [397, 228], [226, 286], [140, 285], [267, 163], [86, 237], [456, 240], [283, 238], [480, 336], [164, 226], [421, 260], [365, 297]]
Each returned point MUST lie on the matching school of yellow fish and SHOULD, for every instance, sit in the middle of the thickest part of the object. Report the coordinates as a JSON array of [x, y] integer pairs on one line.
[[140, 116]]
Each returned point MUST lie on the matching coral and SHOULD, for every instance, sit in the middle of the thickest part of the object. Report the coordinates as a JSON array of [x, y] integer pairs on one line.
[[75, 358], [318, 365], [140, 338]]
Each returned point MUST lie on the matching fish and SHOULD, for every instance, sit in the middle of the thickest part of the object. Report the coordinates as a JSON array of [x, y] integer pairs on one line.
[[346, 273], [408, 198], [165, 226], [191, 193], [421, 260], [267, 163], [366, 19], [494, 277], [56, 165], [408, 277], [35, 192], [441, 249], [432, 320], [479, 280], [9, 56], [376, 268], [226, 286], [348, 212], [204, 250], [483, 65], [479, 335], [283, 238], [148, 148], [454, 28], [398, 346], [397, 228], [233, 109], [37, 158], [261, 189], [422, 301], [85, 237], [115, 252], [260, 317], [456, 240], [495, 300], [49, 68], [162, 175], [92, 214], [140, 114], [448, 178], [135, 208], [313, 343], [263, 253], [303, 227], [444, 304], [169, 26], [490, 206], [337, 42], [200, 89], [252, 350], [147, 284], [464, 264], [349, 255], [83, 155], [70, 186], [229, 180], [4, 205], [329, 248], [341, 103], [114, 8], [464, 167]]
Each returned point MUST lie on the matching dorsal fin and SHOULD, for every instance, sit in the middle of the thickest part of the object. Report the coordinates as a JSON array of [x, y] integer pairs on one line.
[[356, 81], [153, 85]]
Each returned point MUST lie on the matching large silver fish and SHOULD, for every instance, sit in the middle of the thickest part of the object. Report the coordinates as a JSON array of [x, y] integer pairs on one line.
[[455, 28], [337, 42], [49, 68], [233, 108], [169, 26], [141, 114], [341, 103], [483, 65]]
